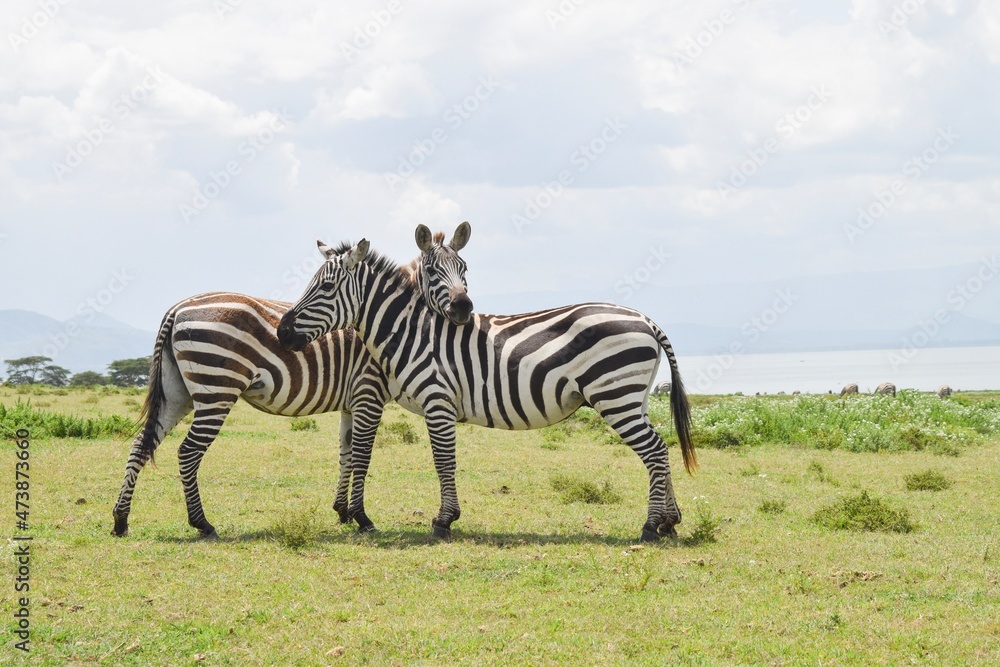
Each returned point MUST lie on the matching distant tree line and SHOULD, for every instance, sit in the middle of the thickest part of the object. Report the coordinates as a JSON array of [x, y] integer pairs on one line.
[[41, 370]]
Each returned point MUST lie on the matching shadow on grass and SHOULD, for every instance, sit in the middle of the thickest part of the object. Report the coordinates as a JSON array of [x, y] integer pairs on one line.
[[416, 538]]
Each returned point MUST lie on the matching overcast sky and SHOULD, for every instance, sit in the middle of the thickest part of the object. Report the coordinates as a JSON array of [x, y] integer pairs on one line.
[[149, 152]]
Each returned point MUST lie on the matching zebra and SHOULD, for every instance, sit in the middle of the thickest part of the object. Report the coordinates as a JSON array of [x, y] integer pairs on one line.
[[944, 391], [214, 348], [661, 389], [886, 389], [499, 371], [848, 390]]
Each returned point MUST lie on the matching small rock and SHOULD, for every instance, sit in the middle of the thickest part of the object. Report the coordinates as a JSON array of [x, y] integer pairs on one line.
[[336, 651], [81, 501]]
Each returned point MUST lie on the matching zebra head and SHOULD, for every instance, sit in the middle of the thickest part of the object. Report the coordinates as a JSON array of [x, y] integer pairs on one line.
[[331, 300], [439, 273]]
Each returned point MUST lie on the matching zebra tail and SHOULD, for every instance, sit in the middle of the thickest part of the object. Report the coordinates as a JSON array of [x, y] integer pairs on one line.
[[149, 416], [679, 406]]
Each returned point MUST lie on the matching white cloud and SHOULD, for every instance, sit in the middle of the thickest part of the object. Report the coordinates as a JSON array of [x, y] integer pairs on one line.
[[398, 90]]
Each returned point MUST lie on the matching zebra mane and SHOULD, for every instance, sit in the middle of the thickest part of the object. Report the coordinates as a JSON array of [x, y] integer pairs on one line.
[[404, 276]]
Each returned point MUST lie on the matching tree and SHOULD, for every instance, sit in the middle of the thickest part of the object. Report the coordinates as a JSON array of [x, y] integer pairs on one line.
[[57, 376], [25, 370], [88, 379], [129, 372]]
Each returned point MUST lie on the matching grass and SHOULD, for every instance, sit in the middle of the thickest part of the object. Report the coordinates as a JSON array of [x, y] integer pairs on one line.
[[527, 578]]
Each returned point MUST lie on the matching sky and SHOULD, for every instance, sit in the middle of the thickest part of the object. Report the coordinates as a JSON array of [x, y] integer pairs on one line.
[[152, 152]]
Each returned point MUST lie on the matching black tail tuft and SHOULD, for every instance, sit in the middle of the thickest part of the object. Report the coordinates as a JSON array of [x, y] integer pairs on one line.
[[149, 416], [682, 418]]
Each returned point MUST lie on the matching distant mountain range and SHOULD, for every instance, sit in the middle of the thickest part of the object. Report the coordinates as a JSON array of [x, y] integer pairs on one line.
[[84, 343], [946, 307]]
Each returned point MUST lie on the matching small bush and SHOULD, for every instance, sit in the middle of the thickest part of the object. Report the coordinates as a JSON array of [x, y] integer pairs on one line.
[[915, 438], [296, 530], [773, 506], [865, 513], [303, 424], [928, 480], [718, 439], [706, 524], [394, 433], [573, 490]]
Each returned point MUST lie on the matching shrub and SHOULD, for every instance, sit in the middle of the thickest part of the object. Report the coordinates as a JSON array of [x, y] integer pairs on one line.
[[42, 423], [706, 524], [773, 506], [303, 424], [928, 480], [865, 513], [572, 489], [296, 530], [397, 432]]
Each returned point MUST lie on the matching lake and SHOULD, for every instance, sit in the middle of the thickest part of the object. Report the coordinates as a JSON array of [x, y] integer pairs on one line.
[[962, 368]]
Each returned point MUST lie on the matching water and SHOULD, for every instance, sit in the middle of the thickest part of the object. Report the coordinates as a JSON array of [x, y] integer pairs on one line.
[[962, 368]]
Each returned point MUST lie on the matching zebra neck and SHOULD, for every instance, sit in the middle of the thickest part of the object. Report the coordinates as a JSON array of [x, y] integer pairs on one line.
[[390, 318]]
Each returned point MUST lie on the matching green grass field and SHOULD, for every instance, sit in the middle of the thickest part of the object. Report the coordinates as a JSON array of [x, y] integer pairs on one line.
[[759, 576]]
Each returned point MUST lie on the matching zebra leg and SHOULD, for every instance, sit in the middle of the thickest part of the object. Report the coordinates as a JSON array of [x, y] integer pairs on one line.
[[177, 404], [367, 415], [441, 428], [340, 503], [208, 420], [638, 434]]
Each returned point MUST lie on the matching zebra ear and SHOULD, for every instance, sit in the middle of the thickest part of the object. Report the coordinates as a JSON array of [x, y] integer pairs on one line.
[[461, 236], [327, 251], [356, 254], [424, 238]]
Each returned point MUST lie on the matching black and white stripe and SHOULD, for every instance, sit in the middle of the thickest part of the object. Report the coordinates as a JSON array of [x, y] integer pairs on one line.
[[511, 372], [215, 348]]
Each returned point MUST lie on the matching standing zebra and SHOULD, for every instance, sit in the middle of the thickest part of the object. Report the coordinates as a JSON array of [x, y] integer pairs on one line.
[[214, 348], [661, 389], [849, 390], [511, 372], [944, 391]]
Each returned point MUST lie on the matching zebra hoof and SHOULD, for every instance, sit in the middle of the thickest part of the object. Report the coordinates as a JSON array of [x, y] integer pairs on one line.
[[345, 516], [668, 531], [121, 528], [441, 532], [210, 535], [649, 535], [368, 528]]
